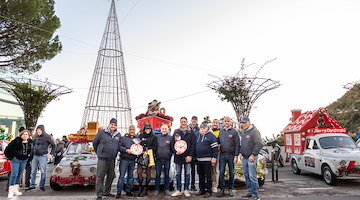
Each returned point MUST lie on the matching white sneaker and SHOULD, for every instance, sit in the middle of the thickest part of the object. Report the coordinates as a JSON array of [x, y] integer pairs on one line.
[[176, 193], [214, 190], [187, 193]]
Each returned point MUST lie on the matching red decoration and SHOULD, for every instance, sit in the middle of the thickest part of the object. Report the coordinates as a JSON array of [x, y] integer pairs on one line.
[[79, 140], [70, 180]]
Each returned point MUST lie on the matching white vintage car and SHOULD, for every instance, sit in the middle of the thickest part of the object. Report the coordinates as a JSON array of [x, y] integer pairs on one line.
[[332, 155], [78, 166]]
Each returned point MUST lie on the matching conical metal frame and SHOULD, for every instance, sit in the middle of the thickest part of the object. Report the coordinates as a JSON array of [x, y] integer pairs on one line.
[[108, 95]]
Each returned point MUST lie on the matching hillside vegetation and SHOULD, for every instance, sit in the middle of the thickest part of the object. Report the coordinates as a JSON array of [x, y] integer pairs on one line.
[[346, 110]]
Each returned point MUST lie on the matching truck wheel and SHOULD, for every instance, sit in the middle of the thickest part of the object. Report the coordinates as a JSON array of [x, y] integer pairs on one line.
[[55, 186], [294, 167], [329, 176]]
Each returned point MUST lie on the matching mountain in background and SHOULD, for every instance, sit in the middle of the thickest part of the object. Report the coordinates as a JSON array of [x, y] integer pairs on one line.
[[346, 110]]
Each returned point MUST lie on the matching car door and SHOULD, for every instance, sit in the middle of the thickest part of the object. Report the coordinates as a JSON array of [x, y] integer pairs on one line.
[[311, 156]]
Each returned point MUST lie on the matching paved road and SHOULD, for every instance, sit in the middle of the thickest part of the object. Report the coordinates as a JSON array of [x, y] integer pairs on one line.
[[290, 186]]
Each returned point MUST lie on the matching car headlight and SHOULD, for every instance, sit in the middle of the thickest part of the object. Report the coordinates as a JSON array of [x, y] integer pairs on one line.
[[93, 170], [58, 170], [342, 163]]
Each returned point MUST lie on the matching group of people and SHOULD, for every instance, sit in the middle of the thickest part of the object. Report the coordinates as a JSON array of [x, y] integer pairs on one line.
[[30, 152], [209, 149]]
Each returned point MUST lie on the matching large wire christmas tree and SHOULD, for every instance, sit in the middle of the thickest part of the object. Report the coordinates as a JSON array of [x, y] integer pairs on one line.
[[108, 95]]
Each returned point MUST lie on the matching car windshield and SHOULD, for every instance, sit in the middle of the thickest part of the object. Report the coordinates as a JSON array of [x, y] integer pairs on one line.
[[79, 148], [336, 142]]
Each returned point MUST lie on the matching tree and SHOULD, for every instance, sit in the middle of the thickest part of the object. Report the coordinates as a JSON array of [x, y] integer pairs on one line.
[[26, 34], [32, 95], [241, 90], [346, 109]]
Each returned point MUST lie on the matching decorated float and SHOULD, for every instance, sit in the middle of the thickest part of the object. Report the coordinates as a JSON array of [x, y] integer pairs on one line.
[[317, 143], [79, 164], [156, 117]]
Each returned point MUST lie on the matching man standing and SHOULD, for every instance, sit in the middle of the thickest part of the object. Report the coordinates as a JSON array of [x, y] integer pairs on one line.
[[127, 163], [183, 158], [206, 151], [42, 140], [229, 151], [250, 147], [106, 145], [195, 128], [215, 169], [163, 158]]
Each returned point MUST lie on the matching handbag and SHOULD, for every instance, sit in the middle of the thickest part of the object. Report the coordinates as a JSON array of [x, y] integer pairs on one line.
[[143, 160]]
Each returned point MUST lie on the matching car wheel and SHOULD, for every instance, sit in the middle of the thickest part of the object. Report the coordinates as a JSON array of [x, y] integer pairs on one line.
[[55, 186], [261, 181], [294, 167], [329, 176]]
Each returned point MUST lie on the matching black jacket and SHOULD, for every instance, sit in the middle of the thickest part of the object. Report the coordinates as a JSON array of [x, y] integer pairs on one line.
[[148, 141], [16, 147], [125, 143], [190, 140], [229, 141], [164, 150]]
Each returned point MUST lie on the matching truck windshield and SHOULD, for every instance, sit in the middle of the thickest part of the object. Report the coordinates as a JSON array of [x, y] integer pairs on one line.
[[336, 142]]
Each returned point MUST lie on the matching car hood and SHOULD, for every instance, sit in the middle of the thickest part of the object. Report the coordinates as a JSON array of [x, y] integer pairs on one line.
[[84, 159], [344, 153]]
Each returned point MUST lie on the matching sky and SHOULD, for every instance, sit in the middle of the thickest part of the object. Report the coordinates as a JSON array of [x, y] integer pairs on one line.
[[173, 49]]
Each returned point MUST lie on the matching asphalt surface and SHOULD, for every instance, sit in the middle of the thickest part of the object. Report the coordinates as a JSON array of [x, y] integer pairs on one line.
[[290, 186]]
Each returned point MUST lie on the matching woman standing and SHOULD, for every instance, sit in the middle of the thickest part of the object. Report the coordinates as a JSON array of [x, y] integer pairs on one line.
[[18, 152], [148, 141], [59, 151]]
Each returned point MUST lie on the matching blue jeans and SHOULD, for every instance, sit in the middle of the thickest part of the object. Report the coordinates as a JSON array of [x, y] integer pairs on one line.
[[126, 166], [226, 159], [249, 169], [38, 162], [179, 167], [17, 168], [159, 164]]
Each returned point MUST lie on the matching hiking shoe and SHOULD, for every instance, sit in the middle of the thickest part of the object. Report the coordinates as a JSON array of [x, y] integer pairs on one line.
[[207, 195], [129, 194], [187, 193], [231, 193], [247, 195], [118, 195], [199, 193], [176, 193], [42, 188], [221, 193], [107, 195]]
